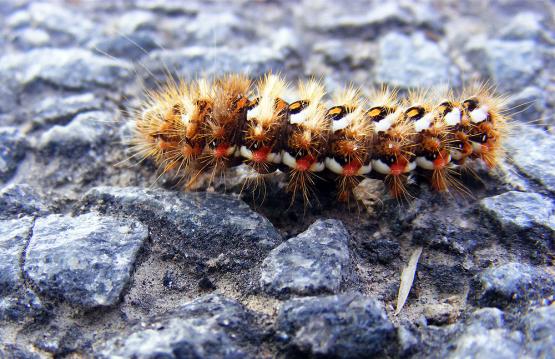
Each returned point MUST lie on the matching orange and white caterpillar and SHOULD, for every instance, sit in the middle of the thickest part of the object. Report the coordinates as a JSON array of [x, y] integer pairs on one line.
[[208, 126]]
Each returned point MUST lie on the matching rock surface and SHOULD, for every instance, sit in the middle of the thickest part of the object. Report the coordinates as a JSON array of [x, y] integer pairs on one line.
[[14, 235], [412, 61], [343, 326], [12, 150], [315, 261], [16, 301], [521, 211], [85, 260], [71, 75], [512, 283], [201, 226], [530, 154], [20, 199], [210, 326]]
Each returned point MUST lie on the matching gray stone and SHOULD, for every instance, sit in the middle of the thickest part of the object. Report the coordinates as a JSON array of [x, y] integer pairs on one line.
[[315, 261], [170, 7], [381, 251], [530, 104], [452, 230], [360, 21], [217, 28], [191, 61], [489, 318], [413, 61], [132, 47], [208, 327], [513, 64], [512, 284], [203, 227], [478, 342], [84, 132], [12, 150], [85, 260], [22, 305], [133, 21], [539, 328], [408, 341], [9, 88], [441, 313], [485, 336], [523, 26], [53, 18], [520, 211], [14, 235], [11, 351], [532, 153], [31, 38], [340, 326], [17, 303], [67, 68], [54, 110]]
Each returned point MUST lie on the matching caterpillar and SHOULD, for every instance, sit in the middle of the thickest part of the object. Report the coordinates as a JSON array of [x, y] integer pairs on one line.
[[208, 126]]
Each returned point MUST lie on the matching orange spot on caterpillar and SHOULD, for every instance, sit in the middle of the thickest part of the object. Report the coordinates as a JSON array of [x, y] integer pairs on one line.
[[351, 168], [442, 160], [221, 150], [398, 167], [304, 163], [261, 154]]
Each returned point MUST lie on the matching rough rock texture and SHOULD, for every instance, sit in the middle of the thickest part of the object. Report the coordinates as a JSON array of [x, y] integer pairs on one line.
[[344, 326], [210, 326], [72, 73], [524, 219], [412, 61], [85, 260], [519, 211], [512, 283], [12, 150], [538, 328], [16, 301], [201, 226], [19, 199], [313, 262], [530, 155], [485, 337], [14, 235]]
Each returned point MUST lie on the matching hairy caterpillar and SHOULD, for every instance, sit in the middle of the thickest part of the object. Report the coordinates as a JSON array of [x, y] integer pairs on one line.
[[208, 126]]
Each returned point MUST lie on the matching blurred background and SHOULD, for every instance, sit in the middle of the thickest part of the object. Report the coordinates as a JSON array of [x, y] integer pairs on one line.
[[402, 43]]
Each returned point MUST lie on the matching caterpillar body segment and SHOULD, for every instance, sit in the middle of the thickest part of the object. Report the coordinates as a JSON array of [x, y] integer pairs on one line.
[[262, 137], [223, 126], [350, 144], [432, 137], [208, 126], [395, 142], [305, 139]]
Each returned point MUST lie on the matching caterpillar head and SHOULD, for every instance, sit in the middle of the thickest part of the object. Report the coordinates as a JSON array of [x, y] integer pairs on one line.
[[488, 125]]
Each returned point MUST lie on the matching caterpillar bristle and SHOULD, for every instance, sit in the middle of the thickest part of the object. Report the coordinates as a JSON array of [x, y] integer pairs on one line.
[[203, 128], [350, 147], [261, 140], [307, 135]]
